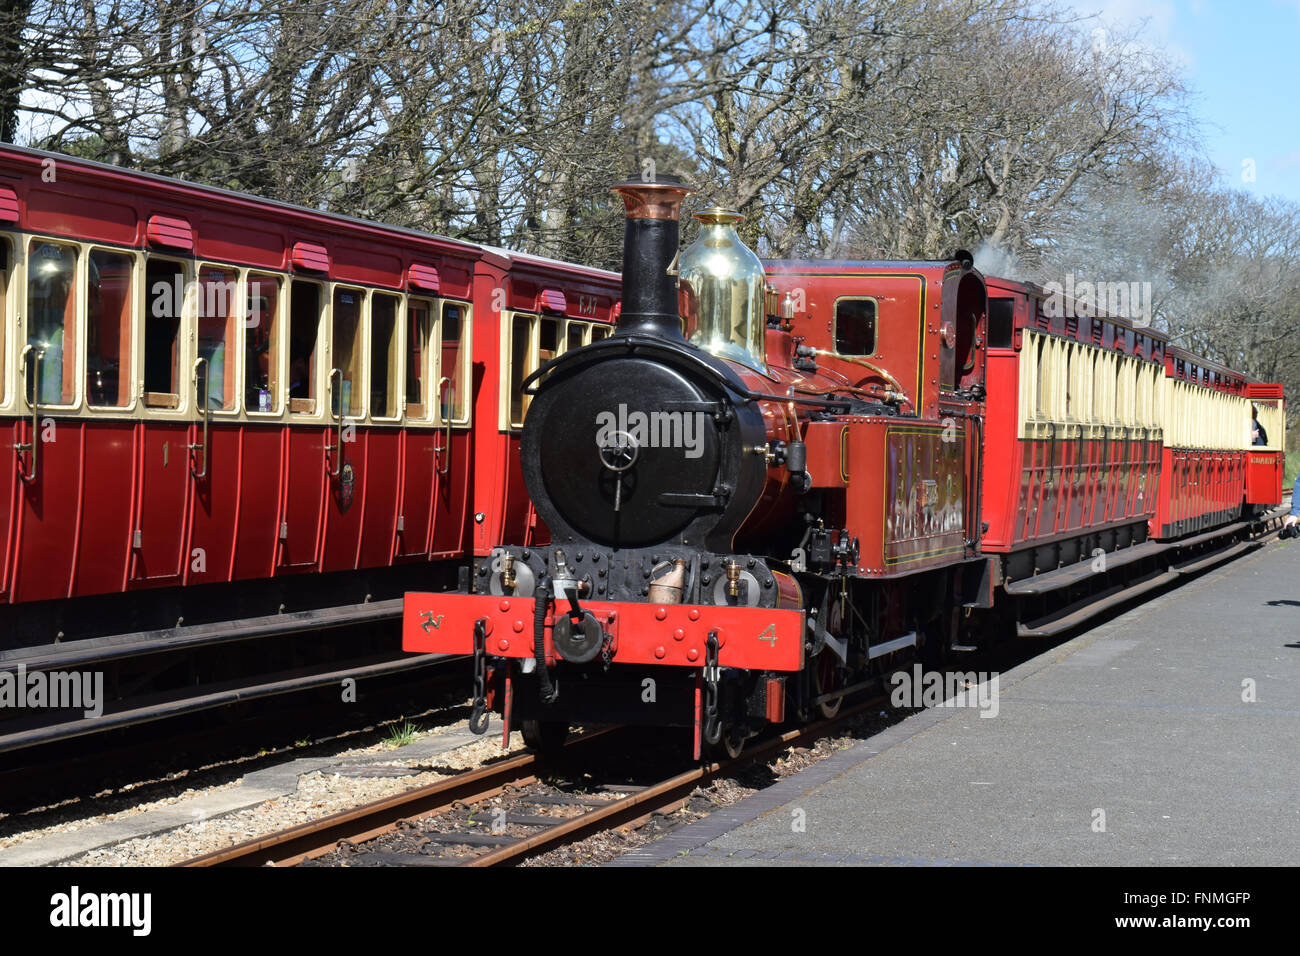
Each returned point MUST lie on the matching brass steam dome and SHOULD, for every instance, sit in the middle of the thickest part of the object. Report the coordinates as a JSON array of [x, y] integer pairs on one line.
[[723, 299]]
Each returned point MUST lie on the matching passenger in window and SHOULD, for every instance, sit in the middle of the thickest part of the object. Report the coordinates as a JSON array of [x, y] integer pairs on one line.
[[300, 377], [259, 392], [1258, 435]]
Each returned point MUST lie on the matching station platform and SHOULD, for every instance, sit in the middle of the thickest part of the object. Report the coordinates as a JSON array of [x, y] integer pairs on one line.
[[1169, 735]]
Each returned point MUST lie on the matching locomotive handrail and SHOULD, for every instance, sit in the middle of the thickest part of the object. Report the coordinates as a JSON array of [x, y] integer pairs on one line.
[[853, 360], [203, 410], [444, 468], [33, 395], [632, 342], [334, 449]]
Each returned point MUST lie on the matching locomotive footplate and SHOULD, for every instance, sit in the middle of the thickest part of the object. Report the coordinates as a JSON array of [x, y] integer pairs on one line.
[[751, 638]]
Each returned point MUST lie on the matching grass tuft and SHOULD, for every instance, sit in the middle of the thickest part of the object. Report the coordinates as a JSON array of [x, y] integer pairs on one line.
[[399, 735]]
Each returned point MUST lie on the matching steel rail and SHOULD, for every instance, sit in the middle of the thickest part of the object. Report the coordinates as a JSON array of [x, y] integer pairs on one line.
[[359, 824], [310, 840], [658, 797], [210, 698]]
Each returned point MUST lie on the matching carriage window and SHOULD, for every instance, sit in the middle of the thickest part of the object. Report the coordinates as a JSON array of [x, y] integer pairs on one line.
[[304, 328], [1046, 378], [262, 344], [383, 355], [454, 392], [108, 330], [599, 332], [217, 305], [6, 260], [419, 325], [575, 336], [549, 340], [521, 328], [855, 326], [51, 324], [346, 342], [165, 299]]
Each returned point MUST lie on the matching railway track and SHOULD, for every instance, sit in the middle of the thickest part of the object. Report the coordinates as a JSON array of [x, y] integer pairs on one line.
[[449, 815], [506, 813], [246, 735]]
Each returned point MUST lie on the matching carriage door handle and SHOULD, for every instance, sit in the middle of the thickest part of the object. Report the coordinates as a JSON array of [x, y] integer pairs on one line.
[[443, 453], [1051, 452], [201, 363], [334, 449], [33, 392]]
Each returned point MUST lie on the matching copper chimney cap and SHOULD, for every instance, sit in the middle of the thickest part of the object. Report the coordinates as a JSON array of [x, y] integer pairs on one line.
[[658, 198]]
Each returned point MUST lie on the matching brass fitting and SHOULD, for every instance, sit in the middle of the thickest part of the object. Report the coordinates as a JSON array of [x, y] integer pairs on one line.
[[733, 579]]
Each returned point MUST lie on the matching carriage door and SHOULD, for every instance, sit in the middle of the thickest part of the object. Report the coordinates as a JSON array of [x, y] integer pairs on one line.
[[349, 442], [454, 442], [48, 462], [383, 477], [164, 468], [308, 432], [419, 471], [10, 434]]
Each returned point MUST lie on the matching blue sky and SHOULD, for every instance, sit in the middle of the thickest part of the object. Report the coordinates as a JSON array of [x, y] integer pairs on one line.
[[1241, 59]]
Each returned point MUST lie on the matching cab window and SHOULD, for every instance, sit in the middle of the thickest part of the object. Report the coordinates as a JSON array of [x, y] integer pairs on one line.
[[51, 318], [383, 355], [262, 344], [855, 326], [108, 329], [164, 303], [1001, 322], [304, 329]]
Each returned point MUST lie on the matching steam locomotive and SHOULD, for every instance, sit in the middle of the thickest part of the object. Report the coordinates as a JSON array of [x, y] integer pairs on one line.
[[777, 481]]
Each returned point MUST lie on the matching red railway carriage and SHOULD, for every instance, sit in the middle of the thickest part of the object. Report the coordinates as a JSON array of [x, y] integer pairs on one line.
[[544, 309], [776, 481], [1116, 438], [238, 405]]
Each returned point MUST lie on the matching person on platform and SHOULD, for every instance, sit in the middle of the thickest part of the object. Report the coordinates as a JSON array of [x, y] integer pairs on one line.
[[1294, 517]]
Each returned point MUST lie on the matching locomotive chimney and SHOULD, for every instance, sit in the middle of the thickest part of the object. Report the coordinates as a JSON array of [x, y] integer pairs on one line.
[[650, 242]]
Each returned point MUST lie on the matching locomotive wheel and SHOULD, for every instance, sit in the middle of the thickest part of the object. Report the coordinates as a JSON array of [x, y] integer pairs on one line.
[[730, 745], [829, 678], [544, 736], [829, 675]]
